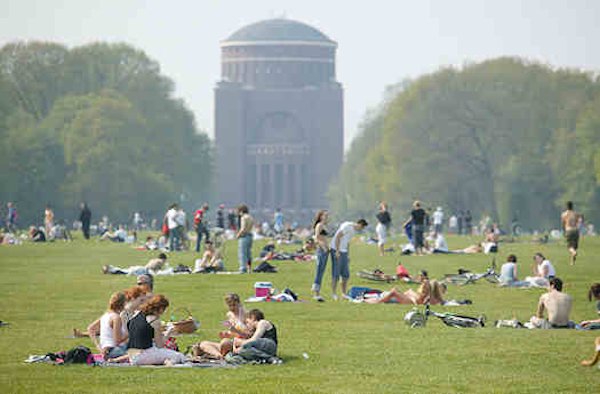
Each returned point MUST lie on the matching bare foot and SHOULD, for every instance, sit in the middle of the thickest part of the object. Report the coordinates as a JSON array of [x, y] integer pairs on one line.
[[78, 334], [588, 363], [169, 363]]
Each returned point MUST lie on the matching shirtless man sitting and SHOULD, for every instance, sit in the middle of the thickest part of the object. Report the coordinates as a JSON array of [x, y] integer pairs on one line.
[[558, 305], [570, 220]]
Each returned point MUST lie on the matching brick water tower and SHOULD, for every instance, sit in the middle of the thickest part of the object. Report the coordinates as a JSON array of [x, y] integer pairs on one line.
[[278, 117]]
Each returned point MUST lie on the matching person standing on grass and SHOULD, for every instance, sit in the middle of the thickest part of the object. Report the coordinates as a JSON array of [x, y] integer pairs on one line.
[[172, 225], [85, 217], [244, 237], [320, 236], [11, 217], [417, 217], [340, 260], [570, 221], [48, 220], [221, 217], [438, 220], [200, 225], [384, 220]]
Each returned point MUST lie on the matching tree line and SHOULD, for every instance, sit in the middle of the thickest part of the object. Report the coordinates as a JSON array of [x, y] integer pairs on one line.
[[508, 138], [96, 123]]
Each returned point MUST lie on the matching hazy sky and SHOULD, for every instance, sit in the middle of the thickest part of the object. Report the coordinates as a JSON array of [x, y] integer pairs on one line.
[[380, 42]]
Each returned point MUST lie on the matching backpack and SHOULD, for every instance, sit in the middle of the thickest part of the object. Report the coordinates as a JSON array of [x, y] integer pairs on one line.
[[78, 355], [265, 267]]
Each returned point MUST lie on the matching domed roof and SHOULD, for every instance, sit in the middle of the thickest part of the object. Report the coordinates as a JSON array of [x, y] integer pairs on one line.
[[278, 30]]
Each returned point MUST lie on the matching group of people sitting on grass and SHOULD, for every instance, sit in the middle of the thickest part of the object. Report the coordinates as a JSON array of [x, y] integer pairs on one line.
[[131, 331], [248, 335], [542, 271]]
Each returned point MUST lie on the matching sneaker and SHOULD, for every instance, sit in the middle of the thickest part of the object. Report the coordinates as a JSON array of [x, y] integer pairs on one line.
[[318, 298], [334, 297]]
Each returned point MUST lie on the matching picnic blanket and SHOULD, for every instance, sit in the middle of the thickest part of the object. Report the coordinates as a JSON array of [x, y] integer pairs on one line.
[[98, 361]]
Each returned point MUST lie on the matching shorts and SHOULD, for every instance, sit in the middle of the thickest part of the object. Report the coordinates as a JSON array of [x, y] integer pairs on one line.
[[572, 238], [381, 231], [340, 267]]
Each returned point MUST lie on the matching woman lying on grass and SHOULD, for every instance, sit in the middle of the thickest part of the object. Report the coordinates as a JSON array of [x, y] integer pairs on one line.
[[431, 292], [110, 328], [146, 340], [236, 328]]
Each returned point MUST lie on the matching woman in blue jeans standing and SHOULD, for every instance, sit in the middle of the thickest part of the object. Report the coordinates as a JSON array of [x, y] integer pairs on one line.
[[320, 234], [244, 236]]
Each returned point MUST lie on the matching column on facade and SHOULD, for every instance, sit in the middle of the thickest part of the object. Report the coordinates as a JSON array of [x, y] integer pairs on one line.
[[285, 184], [259, 182], [298, 184]]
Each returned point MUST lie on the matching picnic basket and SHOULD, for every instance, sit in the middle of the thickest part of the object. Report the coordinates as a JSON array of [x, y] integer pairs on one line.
[[186, 325]]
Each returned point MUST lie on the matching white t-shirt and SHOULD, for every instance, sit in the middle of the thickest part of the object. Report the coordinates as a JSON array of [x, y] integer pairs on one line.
[[171, 219], [551, 271], [180, 218], [440, 243], [507, 272], [347, 230], [438, 217]]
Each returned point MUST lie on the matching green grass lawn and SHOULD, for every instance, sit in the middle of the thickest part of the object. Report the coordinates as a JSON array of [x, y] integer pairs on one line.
[[47, 289]]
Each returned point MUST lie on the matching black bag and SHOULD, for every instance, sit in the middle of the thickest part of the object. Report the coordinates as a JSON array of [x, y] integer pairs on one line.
[[289, 292], [78, 355], [265, 267]]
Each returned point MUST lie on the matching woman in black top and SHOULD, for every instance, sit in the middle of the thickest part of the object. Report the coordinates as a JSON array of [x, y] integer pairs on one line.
[[320, 236], [262, 345], [146, 340]]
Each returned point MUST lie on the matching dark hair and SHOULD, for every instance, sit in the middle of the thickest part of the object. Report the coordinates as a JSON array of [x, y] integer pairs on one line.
[[362, 222], [594, 291], [256, 314], [570, 205], [162, 256], [511, 258], [318, 218], [243, 208], [556, 283], [208, 242], [424, 273], [541, 256]]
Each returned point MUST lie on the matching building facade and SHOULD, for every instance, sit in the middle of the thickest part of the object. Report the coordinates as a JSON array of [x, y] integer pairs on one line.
[[278, 117]]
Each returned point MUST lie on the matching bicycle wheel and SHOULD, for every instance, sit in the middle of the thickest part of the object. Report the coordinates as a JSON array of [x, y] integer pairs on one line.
[[457, 279], [492, 279]]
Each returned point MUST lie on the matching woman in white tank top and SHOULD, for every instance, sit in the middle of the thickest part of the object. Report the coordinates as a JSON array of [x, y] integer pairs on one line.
[[110, 328]]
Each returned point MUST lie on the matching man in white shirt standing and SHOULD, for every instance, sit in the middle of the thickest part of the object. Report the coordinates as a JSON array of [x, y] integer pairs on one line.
[[340, 261], [172, 224]]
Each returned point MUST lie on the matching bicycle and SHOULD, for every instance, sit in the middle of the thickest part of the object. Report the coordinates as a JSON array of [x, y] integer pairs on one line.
[[466, 277], [415, 318]]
